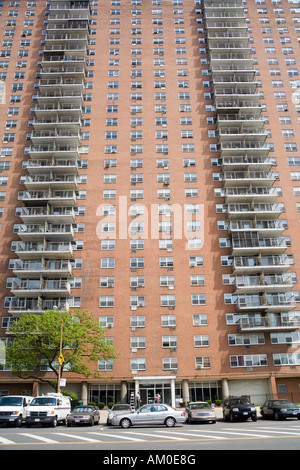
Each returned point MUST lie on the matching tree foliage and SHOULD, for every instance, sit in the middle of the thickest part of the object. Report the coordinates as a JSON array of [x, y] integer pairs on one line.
[[36, 338]]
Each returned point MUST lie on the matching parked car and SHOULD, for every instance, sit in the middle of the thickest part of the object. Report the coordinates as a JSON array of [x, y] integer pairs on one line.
[[200, 411], [279, 409], [84, 414], [118, 409], [239, 408], [150, 414]]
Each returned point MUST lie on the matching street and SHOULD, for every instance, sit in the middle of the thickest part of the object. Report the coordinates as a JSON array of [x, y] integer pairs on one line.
[[185, 438]]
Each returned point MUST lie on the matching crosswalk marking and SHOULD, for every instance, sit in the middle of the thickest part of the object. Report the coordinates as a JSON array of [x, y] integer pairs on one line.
[[240, 433], [118, 436], [81, 438], [149, 435], [192, 434], [283, 432], [155, 435], [39, 438], [3, 440]]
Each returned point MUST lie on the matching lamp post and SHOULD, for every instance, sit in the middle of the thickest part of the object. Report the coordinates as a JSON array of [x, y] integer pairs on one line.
[[61, 357]]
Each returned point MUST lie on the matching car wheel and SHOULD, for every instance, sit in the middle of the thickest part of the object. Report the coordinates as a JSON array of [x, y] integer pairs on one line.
[[232, 418], [19, 421], [54, 422], [254, 418], [170, 422], [125, 423], [276, 416]]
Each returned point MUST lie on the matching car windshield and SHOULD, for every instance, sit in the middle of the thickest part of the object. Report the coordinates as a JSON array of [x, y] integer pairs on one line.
[[240, 401], [121, 407], [11, 401], [86, 409], [282, 402], [199, 406], [43, 401]]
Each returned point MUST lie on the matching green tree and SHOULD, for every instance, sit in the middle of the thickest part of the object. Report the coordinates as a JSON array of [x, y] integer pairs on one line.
[[35, 338]]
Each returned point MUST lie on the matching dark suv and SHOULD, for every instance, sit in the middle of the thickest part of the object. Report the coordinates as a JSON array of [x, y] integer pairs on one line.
[[235, 408]]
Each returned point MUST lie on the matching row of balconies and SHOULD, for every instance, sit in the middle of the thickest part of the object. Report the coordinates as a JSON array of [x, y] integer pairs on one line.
[[258, 263], [43, 267]]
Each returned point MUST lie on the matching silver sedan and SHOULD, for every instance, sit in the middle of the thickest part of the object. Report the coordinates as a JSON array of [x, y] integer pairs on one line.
[[150, 414]]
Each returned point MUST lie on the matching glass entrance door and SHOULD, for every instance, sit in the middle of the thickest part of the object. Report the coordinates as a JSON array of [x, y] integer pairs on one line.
[[149, 390]]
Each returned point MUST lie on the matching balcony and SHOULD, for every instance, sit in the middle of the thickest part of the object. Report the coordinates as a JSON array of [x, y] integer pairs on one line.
[[38, 215], [268, 324], [59, 182], [263, 228], [53, 198], [258, 211], [47, 268], [244, 147], [254, 245], [260, 264], [52, 165], [40, 287], [38, 250], [37, 232], [268, 302], [269, 283], [248, 177], [245, 162], [249, 194], [19, 306]]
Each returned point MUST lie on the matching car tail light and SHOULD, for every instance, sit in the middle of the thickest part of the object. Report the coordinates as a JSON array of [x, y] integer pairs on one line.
[[182, 414]]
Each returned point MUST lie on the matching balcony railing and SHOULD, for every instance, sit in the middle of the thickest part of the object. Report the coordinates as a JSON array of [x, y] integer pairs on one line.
[[268, 324]]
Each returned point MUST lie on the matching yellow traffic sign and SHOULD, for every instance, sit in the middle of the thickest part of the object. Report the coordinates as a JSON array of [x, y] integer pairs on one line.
[[61, 359]]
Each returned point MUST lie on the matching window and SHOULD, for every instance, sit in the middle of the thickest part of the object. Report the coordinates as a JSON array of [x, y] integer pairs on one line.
[[198, 299], [138, 364], [201, 341], [170, 363], [257, 360], [107, 263], [290, 147]]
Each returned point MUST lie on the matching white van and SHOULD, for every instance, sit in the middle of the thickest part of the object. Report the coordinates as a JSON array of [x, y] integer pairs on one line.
[[14, 408], [48, 409]]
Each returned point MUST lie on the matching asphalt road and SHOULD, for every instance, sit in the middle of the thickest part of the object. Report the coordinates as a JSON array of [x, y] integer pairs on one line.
[[185, 440]]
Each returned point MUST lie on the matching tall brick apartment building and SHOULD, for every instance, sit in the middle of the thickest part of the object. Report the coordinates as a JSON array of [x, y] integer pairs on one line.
[[150, 173]]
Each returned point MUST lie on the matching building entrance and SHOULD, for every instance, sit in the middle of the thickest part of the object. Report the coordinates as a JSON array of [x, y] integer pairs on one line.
[[148, 392]]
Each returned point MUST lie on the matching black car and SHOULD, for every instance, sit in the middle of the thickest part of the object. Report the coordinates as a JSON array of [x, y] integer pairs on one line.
[[279, 409], [239, 408]]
